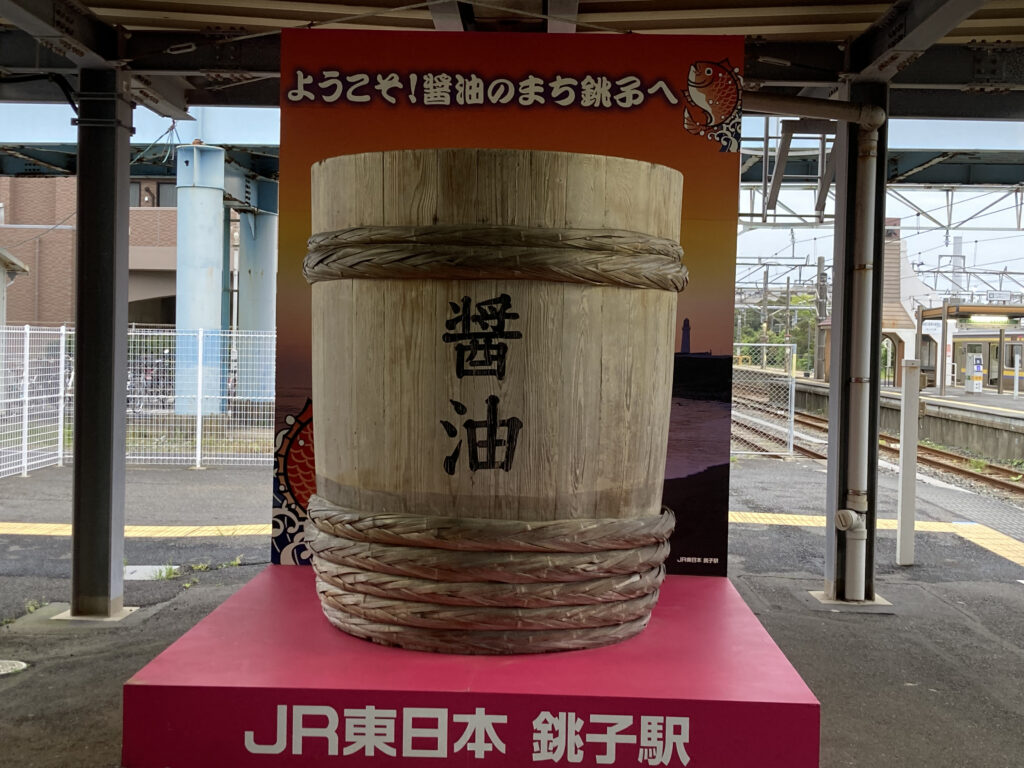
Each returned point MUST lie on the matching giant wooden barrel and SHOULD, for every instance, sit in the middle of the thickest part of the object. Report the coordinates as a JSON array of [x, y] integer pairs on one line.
[[492, 350]]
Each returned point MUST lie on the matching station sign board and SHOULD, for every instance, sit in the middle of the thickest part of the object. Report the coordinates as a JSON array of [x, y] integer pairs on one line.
[[670, 100]]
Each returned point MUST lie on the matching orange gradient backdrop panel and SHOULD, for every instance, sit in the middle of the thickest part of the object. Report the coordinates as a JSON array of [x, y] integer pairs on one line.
[[344, 92]]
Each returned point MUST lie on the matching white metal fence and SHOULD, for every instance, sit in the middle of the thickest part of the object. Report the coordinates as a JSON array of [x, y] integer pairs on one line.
[[34, 411], [193, 397], [763, 391]]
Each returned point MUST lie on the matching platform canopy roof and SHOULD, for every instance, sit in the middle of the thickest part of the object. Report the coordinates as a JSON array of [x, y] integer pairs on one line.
[[9, 265], [942, 58], [959, 311]]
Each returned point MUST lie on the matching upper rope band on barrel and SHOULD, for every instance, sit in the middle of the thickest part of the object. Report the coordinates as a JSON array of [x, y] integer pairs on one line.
[[450, 252]]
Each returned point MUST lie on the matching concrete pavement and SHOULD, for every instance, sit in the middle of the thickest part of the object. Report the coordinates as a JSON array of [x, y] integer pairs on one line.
[[932, 680]]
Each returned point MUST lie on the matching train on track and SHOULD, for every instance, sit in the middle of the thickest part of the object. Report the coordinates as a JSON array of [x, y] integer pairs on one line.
[[984, 342]]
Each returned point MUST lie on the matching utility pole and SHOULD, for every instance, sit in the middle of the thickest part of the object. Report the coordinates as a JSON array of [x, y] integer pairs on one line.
[[821, 310], [788, 317], [764, 318]]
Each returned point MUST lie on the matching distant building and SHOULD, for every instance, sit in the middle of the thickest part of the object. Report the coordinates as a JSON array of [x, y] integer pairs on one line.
[[902, 291], [10, 268], [38, 228]]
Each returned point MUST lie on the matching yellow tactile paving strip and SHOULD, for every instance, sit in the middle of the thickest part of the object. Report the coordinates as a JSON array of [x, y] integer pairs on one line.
[[998, 543], [140, 531], [994, 541]]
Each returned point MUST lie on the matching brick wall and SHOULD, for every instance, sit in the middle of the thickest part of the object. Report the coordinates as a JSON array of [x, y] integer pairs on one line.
[[153, 226], [47, 294], [39, 231]]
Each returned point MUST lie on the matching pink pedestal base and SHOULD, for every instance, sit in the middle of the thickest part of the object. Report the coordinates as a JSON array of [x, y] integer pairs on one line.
[[266, 681]]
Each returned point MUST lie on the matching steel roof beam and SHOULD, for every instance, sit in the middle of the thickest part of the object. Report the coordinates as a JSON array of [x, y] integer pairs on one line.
[[962, 67], [908, 29], [34, 91], [22, 53], [67, 29], [954, 67], [447, 17], [163, 95], [264, 92], [191, 54], [562, 15], [792, 64], [898, 173], [25, 161], [973, 105], [66, 39]]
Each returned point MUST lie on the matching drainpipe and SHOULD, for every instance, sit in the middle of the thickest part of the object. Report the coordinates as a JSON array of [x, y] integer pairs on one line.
[[852, 518], [860, 323], [854, 525], [867, 116]]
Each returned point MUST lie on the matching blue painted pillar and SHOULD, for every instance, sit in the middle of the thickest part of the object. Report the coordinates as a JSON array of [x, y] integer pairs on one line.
[[257, 300], [200, 277]]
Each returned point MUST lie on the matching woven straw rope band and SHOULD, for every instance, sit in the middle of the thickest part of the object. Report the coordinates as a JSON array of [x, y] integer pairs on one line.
[[483, 641], [444, 252], [472, 585], [483, 535], [488, 594], [432, 616], [507, 567]]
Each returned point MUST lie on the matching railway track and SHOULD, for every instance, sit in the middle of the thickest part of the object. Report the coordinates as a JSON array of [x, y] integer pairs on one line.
[[751, 438], [988, 474], [761, 427]]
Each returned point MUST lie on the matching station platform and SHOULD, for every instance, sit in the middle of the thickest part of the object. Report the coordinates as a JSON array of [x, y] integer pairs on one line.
[[930, 679], [986, 399], [986, 424]]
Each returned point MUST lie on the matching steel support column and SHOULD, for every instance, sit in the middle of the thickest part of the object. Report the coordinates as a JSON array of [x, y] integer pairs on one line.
[[857, 290], [97, 542], [257, 298]]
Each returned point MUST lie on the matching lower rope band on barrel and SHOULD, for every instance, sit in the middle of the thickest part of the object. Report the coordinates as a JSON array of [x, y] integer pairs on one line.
[[508, 567], [490, 594], [485, 535], [448, 252], [432, 616], [483, 641]]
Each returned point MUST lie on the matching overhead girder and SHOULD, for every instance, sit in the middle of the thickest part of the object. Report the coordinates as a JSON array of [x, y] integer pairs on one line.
[[447, 16], [975, 81], [979, 81], [67, 29], [563, 15], [41, 90], [33, 161], [961, 67], [972, 103], [910, 166], [898, 38], [55, 30], [194, 54], [903, 34]]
